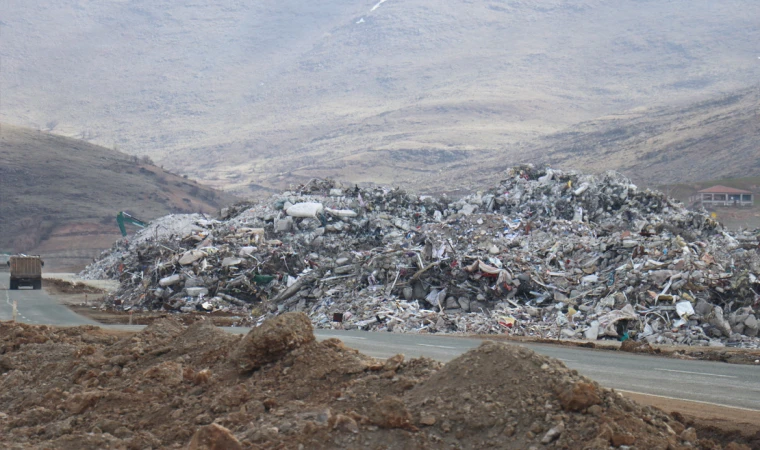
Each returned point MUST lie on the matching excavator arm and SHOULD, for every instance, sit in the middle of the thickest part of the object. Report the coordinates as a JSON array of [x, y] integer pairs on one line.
[[123, 218]]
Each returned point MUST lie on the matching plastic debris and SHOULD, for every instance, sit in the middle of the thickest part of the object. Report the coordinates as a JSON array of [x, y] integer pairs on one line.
[[545, 253]]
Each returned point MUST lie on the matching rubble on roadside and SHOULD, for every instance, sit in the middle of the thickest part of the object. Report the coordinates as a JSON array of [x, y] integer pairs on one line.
[[546, 253], [196, 387]]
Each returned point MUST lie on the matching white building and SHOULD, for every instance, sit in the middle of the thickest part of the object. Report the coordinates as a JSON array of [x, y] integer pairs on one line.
[[724, 196]]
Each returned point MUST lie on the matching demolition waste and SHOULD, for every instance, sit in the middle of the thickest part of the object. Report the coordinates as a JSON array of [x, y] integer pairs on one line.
[[546, 253]]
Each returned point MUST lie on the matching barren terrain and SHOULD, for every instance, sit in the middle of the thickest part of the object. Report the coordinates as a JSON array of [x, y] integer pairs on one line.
[[689, 143], [60, 196], [169, 386], [247, 96]]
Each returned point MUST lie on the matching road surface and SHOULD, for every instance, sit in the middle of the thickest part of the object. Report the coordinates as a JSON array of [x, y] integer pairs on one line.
[[36, 307], [701, 381]]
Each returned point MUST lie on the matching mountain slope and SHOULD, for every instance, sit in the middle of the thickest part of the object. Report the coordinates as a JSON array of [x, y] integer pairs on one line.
[[243, 94], [62, 195], [707, 140]]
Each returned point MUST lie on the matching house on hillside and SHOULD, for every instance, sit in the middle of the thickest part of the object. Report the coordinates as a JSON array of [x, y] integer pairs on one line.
[[723, 196]]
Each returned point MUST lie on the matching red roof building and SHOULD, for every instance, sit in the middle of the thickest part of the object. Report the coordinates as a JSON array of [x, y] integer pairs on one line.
[[724, 196]]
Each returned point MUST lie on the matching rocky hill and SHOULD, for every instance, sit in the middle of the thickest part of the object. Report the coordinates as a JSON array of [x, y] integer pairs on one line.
[[60, 196], [273, 92]]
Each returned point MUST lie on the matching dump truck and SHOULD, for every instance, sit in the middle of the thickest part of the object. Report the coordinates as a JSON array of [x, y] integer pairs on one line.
[[26, 271]]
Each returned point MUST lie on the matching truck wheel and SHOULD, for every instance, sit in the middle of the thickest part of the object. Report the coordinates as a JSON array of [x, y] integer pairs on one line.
[[14, 285], [37, 285]]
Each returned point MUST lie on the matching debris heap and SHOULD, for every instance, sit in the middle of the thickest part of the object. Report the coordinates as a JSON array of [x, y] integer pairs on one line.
[[197, 387], [545, 253]]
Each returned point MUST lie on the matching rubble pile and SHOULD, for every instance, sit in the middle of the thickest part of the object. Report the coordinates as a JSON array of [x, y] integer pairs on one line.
[[197, 387], [545, 253]]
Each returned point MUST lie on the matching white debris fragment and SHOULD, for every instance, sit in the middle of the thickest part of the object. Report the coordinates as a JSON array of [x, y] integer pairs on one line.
[[170, 280], [684, 309], [191, 256], [305, 210]]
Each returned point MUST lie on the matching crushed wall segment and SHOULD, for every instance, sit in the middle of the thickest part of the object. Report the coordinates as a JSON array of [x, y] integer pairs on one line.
[[545, 253]]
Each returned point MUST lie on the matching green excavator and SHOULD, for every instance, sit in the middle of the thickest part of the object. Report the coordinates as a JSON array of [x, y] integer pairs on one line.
[[123, 218]]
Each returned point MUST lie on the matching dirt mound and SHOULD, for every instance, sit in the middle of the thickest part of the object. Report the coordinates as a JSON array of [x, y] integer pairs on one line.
[[500, 393], [15, 334], [272, 340], [171, 386]]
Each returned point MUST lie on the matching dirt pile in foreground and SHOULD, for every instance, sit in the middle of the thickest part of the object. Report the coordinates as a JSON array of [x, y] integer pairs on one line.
[[197, 387]]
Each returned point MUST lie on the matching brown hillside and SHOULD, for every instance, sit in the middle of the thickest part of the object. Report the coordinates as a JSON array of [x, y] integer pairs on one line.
[[691, 145], [60, 196], [707, 140]]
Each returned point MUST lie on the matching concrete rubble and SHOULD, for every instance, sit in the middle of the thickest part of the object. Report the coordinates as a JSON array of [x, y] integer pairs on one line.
[[546, 253]]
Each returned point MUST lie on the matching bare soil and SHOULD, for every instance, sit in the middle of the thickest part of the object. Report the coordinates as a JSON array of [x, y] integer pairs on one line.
[[171, 386], [742, 424]]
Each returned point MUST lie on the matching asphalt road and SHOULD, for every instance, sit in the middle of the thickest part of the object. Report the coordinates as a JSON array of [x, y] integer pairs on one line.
[[701, 381], [36, 307]]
